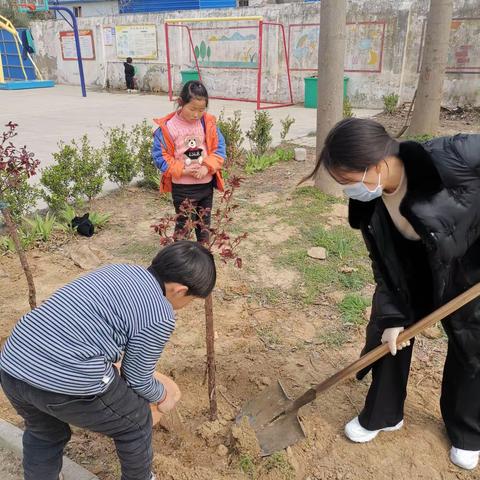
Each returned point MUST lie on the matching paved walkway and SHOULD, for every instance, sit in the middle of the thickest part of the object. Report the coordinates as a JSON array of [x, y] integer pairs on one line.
[[46, 116]]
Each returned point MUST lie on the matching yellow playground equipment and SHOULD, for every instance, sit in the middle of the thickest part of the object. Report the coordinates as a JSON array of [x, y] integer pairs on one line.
[[17, 68]]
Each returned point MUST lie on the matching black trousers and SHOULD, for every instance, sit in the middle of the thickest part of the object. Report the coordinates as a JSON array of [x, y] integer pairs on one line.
[[460, 398], [118, 413], [201, 196], [129, 81]]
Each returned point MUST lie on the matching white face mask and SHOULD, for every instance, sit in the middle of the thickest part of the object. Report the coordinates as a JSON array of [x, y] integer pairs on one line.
[[359, 191]]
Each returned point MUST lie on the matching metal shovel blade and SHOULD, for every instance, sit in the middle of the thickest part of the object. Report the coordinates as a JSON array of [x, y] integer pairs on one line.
[[276, 435]]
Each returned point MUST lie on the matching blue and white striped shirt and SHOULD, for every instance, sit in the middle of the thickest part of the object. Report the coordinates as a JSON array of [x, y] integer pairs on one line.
[[69, 343]]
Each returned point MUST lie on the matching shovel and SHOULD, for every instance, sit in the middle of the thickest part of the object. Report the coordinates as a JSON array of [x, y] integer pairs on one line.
[[274, 416]]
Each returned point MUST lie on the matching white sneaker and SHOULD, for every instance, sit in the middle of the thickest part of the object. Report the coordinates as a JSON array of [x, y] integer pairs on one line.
[[356, 433], [467, 459]]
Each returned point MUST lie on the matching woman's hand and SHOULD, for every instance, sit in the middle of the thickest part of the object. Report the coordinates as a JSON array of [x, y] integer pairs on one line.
[[201, 172], [172, 396], [390, 336]]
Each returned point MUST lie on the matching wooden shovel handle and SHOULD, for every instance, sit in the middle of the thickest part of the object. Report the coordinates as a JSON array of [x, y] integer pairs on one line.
[[382, 350]]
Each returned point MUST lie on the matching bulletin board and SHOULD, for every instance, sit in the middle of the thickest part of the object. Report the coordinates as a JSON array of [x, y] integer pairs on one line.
[[136, 41], [87, 45]]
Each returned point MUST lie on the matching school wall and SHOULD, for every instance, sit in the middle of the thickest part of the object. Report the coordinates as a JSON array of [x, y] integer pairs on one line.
[[384, 39]]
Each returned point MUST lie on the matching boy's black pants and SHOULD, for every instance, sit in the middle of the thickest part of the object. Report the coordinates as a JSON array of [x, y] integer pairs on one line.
[[129, 81], [201, 196], [118, 413]]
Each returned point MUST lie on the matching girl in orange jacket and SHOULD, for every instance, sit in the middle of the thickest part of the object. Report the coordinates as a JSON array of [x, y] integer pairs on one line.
[[189, 150]]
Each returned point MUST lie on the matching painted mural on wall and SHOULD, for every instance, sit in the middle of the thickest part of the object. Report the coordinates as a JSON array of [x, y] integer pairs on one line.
[[232, 47], [363, 53], [464, 51]]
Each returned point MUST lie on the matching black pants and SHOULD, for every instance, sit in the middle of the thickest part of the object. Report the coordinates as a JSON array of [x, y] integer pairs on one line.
[[129, 81], [119, 413], [460, 398], [201, 196]]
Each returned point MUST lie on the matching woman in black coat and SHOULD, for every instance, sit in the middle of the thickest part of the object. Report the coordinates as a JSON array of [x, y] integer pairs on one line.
[[418, 208]]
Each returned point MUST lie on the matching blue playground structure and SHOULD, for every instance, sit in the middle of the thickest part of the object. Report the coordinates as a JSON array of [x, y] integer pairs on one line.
[[17, 68]]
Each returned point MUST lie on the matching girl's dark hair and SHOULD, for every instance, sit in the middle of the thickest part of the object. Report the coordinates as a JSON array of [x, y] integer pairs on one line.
[[187, 263], [353, 145], [193, 90], [129, 60]]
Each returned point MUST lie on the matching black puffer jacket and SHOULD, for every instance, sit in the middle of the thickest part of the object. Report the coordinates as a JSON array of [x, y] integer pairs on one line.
[[442, 204]]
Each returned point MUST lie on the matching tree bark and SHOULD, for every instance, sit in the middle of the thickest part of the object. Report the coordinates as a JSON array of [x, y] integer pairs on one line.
[[211, 367], [331, 61], [426, 114], [12, 231]]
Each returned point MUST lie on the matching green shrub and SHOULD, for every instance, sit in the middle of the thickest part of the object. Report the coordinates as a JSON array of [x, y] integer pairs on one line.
[[21, 198], [256, 164], [57, 178], [88, 173], [390, 103], [121, 163], [233, 134], [41, 228], [142, 142], [287, 123], [347, 108], [260, 133], [98, 219]]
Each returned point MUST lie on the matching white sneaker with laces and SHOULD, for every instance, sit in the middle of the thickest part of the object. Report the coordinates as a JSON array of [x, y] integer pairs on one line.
[[467, 459], [356, 433]]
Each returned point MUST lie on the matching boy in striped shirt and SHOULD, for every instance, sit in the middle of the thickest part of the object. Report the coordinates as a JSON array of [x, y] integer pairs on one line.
[[57, 367]]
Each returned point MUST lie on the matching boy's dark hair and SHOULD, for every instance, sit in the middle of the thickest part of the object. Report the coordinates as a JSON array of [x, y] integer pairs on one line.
[[187, 263], [129, 60], [353, 145], [193, 90]]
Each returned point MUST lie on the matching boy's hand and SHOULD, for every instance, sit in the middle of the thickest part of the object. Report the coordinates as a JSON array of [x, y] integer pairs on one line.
[[191, 170], [201, 172], [173, 393]]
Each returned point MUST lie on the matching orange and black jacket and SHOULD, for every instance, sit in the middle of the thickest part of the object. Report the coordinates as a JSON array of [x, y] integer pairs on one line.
[[163, 152]]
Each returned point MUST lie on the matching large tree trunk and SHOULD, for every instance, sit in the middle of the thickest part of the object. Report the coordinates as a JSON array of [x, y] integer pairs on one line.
[[331, 61], [211, 368], [12, 231], [426, 115]]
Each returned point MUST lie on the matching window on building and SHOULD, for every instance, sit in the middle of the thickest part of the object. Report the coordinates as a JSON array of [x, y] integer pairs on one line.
[[77, 11], [243, 3]]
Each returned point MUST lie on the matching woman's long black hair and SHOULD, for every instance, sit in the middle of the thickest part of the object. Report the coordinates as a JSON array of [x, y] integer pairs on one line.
[[353, 145]]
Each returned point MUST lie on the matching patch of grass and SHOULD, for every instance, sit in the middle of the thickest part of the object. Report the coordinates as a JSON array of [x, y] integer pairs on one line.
[[281, 465], [333, 338], [139, 250], [352, 308], [308, 204], [341, 242], [268, 336], [267, 295], [247, 465], [420, 138]]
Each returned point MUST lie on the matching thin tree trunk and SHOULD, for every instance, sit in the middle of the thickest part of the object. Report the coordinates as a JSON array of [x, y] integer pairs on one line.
[[211, 368], [331, 61], [12, 231], [426, 114]]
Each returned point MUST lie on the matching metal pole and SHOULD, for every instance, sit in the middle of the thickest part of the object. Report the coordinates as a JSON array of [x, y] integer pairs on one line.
[[77, 45], [169, 67], [260, 55]]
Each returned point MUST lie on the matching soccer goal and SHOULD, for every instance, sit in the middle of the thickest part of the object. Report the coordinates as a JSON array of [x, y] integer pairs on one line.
[[237, 58]]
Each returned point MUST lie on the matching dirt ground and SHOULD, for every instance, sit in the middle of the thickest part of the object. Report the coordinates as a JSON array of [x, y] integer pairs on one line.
[[281, 316]]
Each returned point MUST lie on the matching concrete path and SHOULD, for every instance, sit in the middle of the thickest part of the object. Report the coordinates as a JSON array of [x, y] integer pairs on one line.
[[11, 452], [46, 116]]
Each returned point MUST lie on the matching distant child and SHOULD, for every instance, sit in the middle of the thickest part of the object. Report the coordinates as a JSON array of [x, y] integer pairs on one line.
[[58, 366], [189, 150], [129, 74]]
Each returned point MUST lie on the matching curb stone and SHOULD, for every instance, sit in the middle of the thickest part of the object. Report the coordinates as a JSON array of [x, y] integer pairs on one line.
[[11, 439]]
